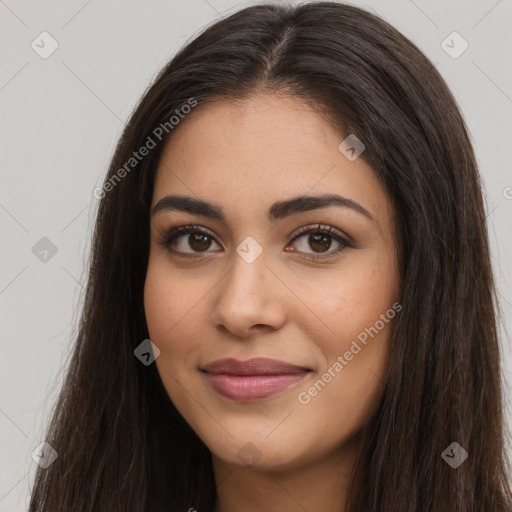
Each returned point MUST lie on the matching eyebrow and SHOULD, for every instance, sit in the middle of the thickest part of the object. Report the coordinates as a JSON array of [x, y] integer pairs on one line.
[[277, 211]]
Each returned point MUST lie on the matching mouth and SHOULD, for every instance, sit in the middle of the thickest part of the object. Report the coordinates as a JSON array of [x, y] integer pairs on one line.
[[254, 379]]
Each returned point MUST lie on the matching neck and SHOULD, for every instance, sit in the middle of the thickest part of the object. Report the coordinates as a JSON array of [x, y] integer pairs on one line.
[[320, 485]]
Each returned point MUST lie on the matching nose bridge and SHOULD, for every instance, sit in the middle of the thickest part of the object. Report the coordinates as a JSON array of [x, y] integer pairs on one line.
[[248, 273], [246, 280], [245, 297], [249, 268]]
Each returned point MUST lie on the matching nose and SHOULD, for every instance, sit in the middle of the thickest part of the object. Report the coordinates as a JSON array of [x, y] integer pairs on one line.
[[249, 298]]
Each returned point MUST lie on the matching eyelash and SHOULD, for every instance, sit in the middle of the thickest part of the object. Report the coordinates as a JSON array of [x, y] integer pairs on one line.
[[176, 231]]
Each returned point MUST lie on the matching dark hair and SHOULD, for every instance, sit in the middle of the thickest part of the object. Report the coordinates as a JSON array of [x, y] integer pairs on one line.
[[121, 443]]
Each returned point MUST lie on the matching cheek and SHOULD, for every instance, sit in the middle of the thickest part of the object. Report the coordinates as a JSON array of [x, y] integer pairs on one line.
[[356, 301], [174, 306], [168, 300], [159, 299], [166, 305], [359, 313]]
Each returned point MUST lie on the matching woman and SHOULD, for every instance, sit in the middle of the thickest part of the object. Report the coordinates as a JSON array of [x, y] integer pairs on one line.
[[290, 301]]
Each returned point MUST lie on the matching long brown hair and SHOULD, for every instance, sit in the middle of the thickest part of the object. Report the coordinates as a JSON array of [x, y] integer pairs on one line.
[[121, 443]]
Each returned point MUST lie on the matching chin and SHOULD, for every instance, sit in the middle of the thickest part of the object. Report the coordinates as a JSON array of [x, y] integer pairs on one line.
[[258, 453]]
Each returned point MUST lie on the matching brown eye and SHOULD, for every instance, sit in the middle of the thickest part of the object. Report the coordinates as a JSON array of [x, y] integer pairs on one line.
[[198, 242], [319, 240], [313, 242], [319, 243], [316, 243], [188, 240]]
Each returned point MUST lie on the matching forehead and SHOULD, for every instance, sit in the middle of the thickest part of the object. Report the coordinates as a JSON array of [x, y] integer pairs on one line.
[[251, 153]]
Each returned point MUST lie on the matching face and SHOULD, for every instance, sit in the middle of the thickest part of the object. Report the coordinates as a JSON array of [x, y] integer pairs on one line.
[[265, 271]]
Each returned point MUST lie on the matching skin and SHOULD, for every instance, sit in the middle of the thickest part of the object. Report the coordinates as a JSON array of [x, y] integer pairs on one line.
[[244, 156]]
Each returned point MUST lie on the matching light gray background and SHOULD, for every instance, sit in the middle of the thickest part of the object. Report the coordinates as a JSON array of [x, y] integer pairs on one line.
[[61, 117]]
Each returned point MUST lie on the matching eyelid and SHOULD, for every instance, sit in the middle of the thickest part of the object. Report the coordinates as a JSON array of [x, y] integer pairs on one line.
[[341, 238], [326, 229], [176, 230]]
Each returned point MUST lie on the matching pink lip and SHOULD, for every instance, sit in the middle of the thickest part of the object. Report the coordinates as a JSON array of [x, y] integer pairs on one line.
[[253, 379]]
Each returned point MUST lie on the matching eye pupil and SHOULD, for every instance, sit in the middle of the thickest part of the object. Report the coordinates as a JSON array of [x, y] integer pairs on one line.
[[204, 242], [315, 242], [193, 239]]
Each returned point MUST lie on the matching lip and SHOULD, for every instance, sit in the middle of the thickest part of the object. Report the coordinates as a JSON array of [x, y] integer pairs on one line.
[[253, 379]]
